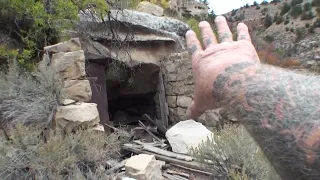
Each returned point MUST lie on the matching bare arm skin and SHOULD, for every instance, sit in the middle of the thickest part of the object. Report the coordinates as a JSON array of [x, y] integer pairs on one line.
[[281, 109]]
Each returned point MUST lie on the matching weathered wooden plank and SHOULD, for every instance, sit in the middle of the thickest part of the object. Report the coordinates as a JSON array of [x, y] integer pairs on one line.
[[163, 103], [190, 165]]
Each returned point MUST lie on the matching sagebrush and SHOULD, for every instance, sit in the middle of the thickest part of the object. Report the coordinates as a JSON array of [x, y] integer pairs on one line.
[[82, 155], [234, 154], [27, 97]]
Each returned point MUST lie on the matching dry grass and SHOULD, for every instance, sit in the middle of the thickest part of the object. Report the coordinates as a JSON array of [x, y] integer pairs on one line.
[[83, 155], [235, 155], [27, 97]]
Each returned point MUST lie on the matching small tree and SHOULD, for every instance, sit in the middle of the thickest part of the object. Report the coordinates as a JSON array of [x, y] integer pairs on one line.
[[268, 21], [315, 3], [300, 33], [234, 12], [285, 8], [295, 2], [265, 2], [307, 6], [296, 11], [255, 3]]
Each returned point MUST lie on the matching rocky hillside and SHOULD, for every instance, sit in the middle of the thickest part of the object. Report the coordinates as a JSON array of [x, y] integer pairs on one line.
[[290, 26]]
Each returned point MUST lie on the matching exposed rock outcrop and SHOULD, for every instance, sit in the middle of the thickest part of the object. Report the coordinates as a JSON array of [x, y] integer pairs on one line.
[[150, 8], [189, 8]]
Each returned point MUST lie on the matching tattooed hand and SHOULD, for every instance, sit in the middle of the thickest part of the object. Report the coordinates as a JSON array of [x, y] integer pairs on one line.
[[211, 61], [279, 107]]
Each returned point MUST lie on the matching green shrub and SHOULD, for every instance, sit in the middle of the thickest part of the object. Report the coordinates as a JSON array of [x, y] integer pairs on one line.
[[82, 155], [318, 10], [234, 12], [163, 3], [268, 21], [234, 155], [291, 29], [312, 29], [296, 11], [269, 38], [37, 24], [315, 3], [295, 2], [300, 33], [307, 15], [27, 98], [194, 25], [285, 8], [307, 6], [287, 29], [280, 20], [258, 7], [307, 25], [286, 22]]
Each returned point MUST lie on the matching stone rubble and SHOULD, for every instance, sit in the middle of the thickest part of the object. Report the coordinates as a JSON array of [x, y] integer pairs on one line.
[[187, 134], [144, 167]]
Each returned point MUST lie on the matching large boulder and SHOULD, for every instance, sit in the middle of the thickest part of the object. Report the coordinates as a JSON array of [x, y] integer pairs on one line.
[[187, 134], [150, 8], [144, 167], [143, 27], [147, 21]]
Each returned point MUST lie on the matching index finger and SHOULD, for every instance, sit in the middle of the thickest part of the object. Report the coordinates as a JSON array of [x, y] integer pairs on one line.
[[193, 44]]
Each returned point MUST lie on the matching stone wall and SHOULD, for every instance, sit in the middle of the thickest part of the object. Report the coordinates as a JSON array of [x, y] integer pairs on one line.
[[179, 85], [67, 61]]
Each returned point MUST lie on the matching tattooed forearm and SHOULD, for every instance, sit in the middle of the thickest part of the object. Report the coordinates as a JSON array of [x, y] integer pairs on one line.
[[281, 109]]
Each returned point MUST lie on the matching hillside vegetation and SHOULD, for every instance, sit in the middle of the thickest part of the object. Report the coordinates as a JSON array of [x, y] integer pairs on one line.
[[277, 28]]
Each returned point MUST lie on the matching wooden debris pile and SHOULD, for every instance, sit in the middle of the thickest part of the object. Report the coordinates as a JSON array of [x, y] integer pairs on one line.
[[151, 140]]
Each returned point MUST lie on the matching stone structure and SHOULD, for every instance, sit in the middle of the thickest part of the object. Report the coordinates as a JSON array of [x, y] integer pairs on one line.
[[187, 8], [126, 76], [179, 85], [68, 63]]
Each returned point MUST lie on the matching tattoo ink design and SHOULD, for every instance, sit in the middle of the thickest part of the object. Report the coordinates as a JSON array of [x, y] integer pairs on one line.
[[208, 42], [192, 49], [242, 37], [281, 110], [225, 36]]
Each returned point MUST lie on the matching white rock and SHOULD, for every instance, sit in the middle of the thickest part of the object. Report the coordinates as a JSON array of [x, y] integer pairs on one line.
[[144, 167], [187, 134]]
